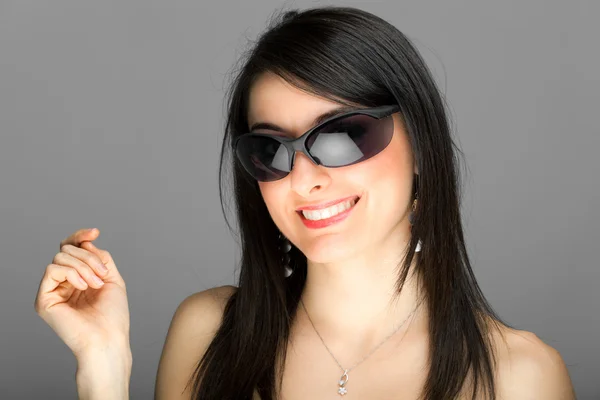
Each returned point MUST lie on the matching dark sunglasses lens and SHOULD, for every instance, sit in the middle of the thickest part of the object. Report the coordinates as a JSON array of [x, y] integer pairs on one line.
[[350, 140], [264, 158]]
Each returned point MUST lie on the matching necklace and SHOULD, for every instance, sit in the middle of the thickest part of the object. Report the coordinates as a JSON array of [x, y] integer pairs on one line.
[[344, 378]]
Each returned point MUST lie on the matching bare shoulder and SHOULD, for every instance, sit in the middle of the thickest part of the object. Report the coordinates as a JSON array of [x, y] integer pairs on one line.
[[528, 368], [209, 303], [192, 328], [200, 314]]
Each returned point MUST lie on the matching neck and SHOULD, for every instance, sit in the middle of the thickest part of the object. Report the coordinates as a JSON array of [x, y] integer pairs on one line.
[[356, 300]]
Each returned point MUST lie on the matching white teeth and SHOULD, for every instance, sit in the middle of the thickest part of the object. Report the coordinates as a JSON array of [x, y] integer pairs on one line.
[[329, 211]]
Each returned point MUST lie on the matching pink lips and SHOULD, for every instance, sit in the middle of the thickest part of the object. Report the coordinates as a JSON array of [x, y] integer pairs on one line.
[[322, 223]]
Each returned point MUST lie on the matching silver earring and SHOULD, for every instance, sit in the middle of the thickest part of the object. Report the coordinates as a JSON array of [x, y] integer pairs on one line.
[[285, 246], [411, 219]]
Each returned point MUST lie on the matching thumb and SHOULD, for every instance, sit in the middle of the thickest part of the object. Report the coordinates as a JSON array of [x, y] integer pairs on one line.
[[89, 234], [81, 235]]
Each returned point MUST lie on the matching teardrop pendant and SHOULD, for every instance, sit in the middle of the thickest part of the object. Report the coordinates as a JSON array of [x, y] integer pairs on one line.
[[342, 382]]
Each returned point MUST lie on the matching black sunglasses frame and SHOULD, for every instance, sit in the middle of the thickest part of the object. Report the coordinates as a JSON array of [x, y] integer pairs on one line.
[[299, 144]]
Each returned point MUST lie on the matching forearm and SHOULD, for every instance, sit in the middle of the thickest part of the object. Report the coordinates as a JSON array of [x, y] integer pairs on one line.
[[104, 375]]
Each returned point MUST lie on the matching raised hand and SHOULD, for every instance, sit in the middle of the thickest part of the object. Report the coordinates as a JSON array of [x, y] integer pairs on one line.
[[83, 297]]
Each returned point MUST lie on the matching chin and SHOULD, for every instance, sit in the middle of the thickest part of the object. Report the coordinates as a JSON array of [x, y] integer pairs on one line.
[[328, 249]]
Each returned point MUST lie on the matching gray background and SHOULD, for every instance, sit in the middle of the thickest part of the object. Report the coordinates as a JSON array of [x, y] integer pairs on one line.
[[111, 116]]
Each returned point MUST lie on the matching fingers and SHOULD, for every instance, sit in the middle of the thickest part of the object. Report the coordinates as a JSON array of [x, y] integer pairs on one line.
[[79, 246], [79, 257], [79, 236], [103, 255], [57, 274], [113, 274], [83, 269]]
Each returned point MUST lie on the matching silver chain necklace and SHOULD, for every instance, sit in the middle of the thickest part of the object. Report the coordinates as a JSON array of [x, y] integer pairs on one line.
[[344, 378]]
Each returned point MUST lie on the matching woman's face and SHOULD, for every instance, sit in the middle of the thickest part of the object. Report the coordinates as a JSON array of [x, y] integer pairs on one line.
[[383, 182]]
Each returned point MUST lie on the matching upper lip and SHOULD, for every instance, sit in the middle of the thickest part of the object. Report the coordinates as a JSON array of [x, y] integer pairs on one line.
[[325, 205]]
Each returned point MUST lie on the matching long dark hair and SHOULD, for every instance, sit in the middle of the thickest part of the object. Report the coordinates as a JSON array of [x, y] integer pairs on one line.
[[352, 57]]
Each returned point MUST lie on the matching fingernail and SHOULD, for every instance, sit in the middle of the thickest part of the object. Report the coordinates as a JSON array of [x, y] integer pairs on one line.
[[102, 268], [97, 280]]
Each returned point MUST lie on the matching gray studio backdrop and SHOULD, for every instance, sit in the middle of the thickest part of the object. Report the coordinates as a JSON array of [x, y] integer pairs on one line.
[[111, 116]]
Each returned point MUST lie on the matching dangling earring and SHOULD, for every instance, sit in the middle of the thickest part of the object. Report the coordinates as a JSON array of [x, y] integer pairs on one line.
[[285, 246], [411, 219], [411, 214]]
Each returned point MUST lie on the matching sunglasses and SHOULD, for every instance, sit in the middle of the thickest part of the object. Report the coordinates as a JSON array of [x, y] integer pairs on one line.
[[342, 140]]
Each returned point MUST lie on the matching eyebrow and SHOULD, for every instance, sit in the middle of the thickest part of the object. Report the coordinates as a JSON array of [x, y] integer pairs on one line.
[[321, 118]]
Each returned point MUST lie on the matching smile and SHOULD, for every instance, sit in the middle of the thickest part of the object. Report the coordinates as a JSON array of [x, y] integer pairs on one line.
[[328, 216]]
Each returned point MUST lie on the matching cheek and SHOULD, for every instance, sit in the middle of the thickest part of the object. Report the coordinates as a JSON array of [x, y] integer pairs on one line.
[[387, 178], [267, 192], [272, 194], [395, 163], [389, 170]]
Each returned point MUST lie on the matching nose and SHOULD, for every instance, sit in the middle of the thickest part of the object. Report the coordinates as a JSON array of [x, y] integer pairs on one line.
[[307, 177]]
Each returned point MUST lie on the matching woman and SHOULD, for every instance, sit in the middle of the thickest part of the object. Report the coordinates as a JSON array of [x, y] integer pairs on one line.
[[355, 278]]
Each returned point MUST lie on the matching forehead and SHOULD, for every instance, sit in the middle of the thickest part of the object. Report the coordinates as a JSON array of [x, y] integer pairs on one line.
[[274, 100]]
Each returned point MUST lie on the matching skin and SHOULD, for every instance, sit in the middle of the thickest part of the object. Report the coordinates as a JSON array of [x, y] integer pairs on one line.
[[352, 269]]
